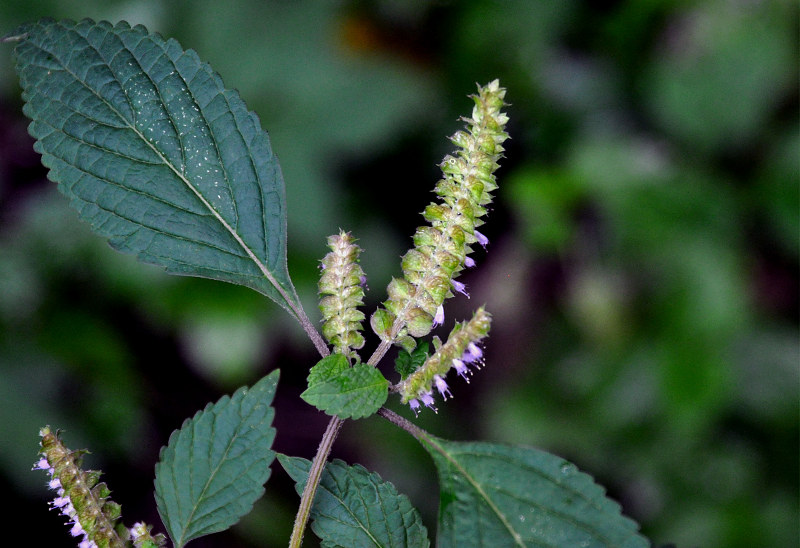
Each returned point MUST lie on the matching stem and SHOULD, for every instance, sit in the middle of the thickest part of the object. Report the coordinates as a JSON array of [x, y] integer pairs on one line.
[[406, 425], [312, 482], [311, 331]]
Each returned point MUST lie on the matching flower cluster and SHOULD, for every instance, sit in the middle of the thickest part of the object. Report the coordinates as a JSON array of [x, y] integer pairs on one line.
[[342, 283], [441, 249], [460, 352], [84, 501]]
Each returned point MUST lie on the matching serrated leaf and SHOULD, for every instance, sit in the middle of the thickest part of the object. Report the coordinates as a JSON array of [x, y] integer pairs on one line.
[[406, 363], [353, 393], [356, 508], [327, 368], [154, 153], [214, 468], [500, 495]]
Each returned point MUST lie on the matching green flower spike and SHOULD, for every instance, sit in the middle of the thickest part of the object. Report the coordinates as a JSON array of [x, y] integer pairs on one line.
[[91, 514], [460, 351], [342, 283], [441, 249]]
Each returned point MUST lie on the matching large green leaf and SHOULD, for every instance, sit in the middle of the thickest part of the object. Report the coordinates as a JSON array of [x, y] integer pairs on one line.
[[497, 495], [355, 508], [214, 468], [155, 153]]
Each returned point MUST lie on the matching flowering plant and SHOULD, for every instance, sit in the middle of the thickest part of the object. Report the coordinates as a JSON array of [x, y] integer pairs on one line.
[[164, 161]]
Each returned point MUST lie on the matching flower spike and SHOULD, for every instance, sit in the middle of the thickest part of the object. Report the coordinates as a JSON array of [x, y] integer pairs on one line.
[[84, 501], [441, 248], [462, 342], [342, 282]]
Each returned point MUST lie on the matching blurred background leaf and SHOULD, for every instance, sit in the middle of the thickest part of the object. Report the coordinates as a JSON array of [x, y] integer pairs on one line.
[[643, 271]]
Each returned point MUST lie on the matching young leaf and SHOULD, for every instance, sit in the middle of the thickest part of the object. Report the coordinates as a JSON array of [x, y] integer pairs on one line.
[[500, 495], [327, 368], [356, 508], [406, 363], [154, 153], [215, 466], [351, 393]]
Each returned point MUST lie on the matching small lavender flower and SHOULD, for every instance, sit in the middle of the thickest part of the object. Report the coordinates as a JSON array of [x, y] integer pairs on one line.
[[469, 262], [414, 405], [483, 240], [461, 369], [441, 386], [472, 353], [427, 399], [461, 288], [438, 318]]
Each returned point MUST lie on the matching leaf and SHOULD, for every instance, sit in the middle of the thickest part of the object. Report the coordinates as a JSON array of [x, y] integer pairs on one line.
[[501, 495], [406, 363], [328, 368], [154, 153], [215, 466], [352, 393], [355, 508]]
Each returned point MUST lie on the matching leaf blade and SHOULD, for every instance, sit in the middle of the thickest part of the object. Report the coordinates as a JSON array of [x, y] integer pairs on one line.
[[354, 507], [347, 392], [214, 468], [500, 495], [155, 153]]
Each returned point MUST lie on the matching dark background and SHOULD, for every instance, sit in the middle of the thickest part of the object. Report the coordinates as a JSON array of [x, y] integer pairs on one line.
[[642, 271]]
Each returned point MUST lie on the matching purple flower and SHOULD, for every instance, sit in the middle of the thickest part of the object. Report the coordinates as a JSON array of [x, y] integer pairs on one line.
[[472, 353], [483, 240], [461, 369], [42, 464], [76, 529], [438, 319], [461, 288], [469, 262], [427, 399], [414, 405], [441, 386]]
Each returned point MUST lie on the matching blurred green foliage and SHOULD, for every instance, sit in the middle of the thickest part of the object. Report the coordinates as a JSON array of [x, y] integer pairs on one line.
[[643, 271]]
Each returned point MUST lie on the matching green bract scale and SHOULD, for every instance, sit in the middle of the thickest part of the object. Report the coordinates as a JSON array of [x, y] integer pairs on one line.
[[341, 285], [459, 352], [441, 249]]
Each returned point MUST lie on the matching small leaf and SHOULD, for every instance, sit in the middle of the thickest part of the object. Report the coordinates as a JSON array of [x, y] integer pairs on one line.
[[500, 495], [406, 363], [215, 466], [327, 368], [355, 508], [353, 393], [155, 153]]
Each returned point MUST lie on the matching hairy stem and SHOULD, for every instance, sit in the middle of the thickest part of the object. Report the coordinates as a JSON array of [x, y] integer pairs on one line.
[[406, 425], [312, 482], [311, 331]]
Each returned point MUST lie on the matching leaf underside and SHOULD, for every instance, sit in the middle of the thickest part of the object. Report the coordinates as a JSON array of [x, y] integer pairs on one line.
[[497, 495], [214, 468], [355, 508], [154, 153]]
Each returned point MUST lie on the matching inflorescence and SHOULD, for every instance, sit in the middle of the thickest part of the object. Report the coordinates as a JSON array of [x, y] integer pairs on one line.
[[91, 514], [441, 249]]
